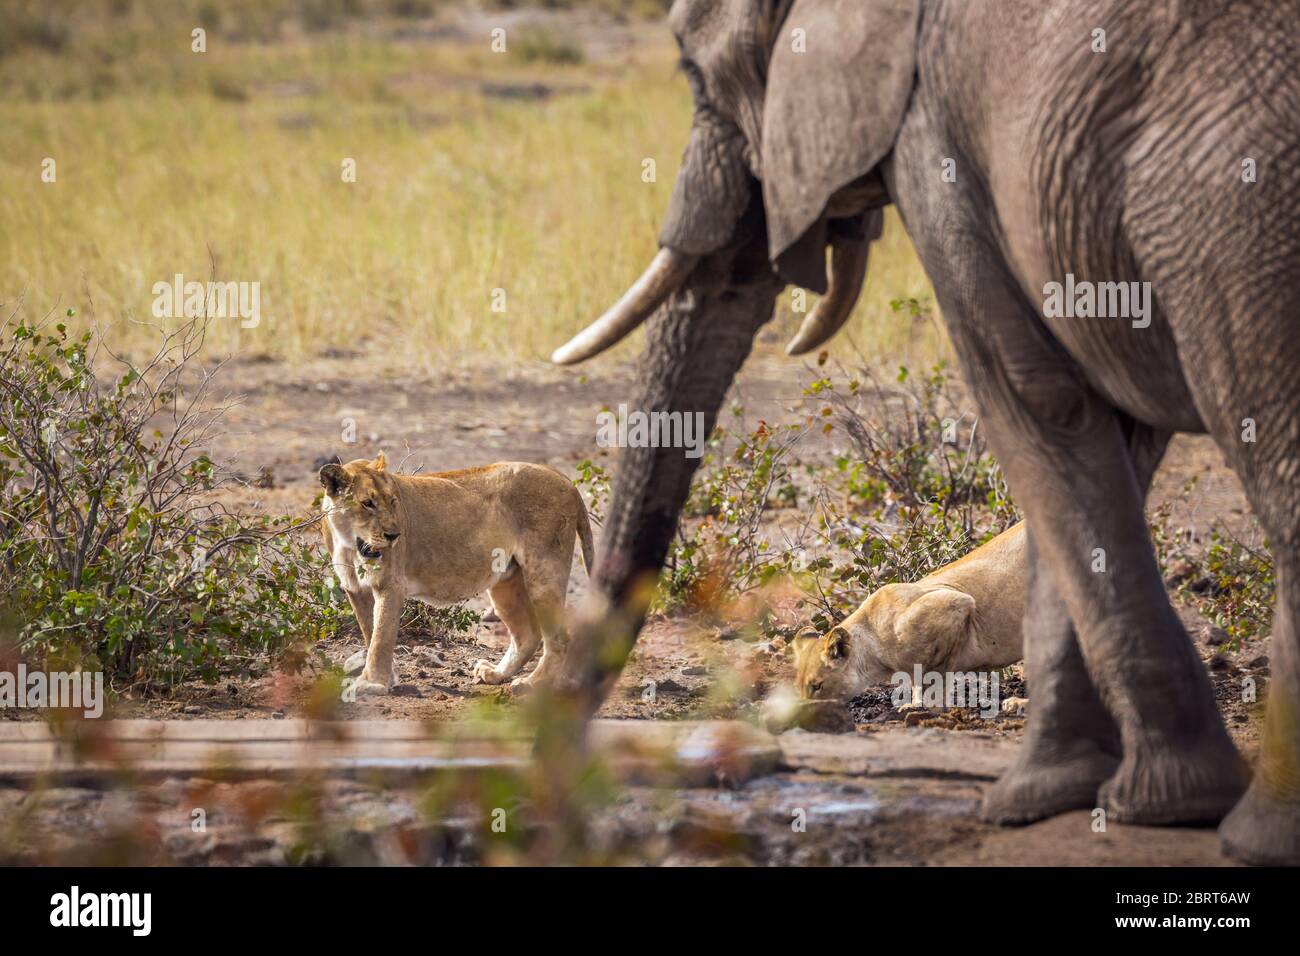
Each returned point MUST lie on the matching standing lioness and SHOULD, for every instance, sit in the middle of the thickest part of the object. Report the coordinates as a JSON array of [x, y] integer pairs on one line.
[[442, 538]]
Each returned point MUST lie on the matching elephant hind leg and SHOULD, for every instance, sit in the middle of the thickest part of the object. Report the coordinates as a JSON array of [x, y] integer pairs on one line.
[[1071, 462], [1071, 743]]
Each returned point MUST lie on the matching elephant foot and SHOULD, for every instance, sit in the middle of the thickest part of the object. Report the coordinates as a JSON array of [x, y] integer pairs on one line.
[[1194, 784], [1263, 829], [356, 663], [1034, 791]]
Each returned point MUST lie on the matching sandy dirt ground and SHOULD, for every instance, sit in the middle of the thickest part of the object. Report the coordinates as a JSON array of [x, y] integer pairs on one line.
[[290, 420]]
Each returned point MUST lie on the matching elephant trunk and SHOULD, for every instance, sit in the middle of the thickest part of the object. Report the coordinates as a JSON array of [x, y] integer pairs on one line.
[[695, 345]]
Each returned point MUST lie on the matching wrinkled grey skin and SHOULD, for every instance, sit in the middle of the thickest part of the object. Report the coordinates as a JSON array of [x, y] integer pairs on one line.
[[1117, 166]]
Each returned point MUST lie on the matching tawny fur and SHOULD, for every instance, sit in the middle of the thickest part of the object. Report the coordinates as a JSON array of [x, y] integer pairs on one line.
[[966, 616], [507, 529]]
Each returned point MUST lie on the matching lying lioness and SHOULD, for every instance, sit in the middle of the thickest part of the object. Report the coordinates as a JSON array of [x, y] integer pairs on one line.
[[442, 538], [964, 617]]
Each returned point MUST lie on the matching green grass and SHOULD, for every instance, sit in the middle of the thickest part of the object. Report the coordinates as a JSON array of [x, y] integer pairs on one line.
[[228, 163]]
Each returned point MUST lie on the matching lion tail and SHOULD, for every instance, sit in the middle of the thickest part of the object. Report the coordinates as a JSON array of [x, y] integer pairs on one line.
[[584, 535]]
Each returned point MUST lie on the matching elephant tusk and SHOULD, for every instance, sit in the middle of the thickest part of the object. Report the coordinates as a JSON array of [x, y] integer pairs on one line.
[[662, 278], [848, 269]]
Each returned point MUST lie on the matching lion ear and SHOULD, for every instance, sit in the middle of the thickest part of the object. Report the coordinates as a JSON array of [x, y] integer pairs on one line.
[[334, 479], [837, 644], [380, 462]]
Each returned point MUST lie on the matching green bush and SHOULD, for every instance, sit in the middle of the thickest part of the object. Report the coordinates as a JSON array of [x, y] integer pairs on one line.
[[916, 490], [117, 554], [1228, 581]]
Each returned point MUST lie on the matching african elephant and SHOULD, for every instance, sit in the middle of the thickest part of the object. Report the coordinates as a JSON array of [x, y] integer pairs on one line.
[[1025, 143]]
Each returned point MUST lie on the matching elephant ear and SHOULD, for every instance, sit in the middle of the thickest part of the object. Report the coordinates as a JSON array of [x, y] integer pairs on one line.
[[832, 111]]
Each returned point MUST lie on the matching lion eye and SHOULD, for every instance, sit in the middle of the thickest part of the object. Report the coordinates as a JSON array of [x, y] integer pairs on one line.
[[815, 687], [368, 504]]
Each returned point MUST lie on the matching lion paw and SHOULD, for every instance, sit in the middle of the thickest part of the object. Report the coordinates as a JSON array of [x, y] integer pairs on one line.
[[369, 688], [485, 672], [522, 685]]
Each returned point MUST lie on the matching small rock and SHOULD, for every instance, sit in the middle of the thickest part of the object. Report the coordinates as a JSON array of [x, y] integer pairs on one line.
[[192, 709], [1214, 636], [914, 717], [1179, 571], [406, 690], [1220, 663], [695, 670], [1261, 661], [277, 715]]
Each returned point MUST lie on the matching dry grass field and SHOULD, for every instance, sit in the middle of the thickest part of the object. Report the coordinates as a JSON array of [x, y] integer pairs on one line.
[[500, 198]]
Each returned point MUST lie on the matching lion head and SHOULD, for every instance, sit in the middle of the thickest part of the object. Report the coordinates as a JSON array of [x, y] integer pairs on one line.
[[361, 504], [822, 668]]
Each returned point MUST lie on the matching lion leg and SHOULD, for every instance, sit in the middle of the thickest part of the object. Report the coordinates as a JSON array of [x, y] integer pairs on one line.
[[515, 608], [363, 606], [550, 613], [377, 677], [548, 583]]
